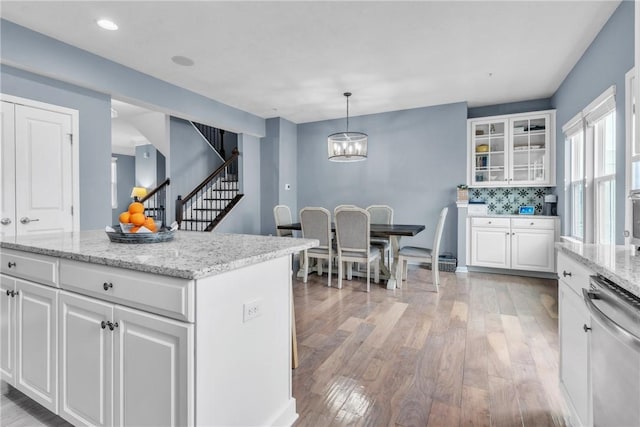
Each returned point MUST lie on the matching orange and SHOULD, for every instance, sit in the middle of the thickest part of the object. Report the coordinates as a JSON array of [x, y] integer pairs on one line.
[[124, 217], [150, 224], [134, 229], [137, 219], [136, 207]]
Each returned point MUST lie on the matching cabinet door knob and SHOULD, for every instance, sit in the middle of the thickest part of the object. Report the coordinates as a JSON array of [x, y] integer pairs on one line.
[[566, 273], [103, 324], [586, 328], [9, 292], [532, 223], [107, 285], [112, 326], [13, 294], [5, 221], [489, 222], [11, 264]]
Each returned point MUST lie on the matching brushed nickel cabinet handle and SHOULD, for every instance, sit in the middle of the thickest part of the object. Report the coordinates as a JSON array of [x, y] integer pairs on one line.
[[11, 264], [107, 285]]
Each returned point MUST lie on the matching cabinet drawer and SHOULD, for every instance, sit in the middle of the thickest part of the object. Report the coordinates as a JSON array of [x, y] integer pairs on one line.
[[573, 273], [490, 222], [539, 223], [34, 267], [167, 296]]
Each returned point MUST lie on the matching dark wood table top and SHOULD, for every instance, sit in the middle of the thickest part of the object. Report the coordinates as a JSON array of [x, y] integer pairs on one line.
[[377, 230]]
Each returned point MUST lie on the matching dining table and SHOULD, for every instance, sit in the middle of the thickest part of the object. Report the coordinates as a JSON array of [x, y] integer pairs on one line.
[[394, 232]]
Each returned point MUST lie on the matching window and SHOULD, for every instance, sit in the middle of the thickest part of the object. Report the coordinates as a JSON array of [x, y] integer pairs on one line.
[[576, 187], [591, 171], [114, 183]]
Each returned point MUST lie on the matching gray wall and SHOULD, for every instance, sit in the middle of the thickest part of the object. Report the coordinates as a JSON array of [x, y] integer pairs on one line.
[[416, 159], [278, 167], [510, 108], [94, 139], [604, 63], [192, 158], [126, 181], [146, 166]]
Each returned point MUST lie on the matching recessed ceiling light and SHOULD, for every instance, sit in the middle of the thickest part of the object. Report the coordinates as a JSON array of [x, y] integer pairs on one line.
[[182, 60], [107, 24]]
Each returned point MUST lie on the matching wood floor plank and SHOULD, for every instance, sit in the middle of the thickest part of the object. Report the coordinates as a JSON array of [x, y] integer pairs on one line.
[[475, 408], [451, 369], [443, 415], [505, 410]]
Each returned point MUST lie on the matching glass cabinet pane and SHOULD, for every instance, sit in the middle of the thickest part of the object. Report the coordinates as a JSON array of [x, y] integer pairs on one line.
[[529, 161], [489, 145]]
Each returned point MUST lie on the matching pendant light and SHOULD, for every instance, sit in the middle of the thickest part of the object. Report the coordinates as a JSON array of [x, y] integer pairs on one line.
[[347, 146]]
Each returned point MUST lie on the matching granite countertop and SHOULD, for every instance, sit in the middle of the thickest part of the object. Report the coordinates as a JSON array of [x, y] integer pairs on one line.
[[513, 216], [190, 255], [620, 264]]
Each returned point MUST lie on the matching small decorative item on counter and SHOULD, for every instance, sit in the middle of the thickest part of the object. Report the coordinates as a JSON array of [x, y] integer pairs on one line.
[[463, 192]]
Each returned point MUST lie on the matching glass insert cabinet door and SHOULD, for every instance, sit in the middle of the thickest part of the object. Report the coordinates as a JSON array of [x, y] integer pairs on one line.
[[489, 146], [530, 160]]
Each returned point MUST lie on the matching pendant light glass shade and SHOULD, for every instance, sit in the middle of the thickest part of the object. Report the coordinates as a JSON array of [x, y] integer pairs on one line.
[[347, 146]]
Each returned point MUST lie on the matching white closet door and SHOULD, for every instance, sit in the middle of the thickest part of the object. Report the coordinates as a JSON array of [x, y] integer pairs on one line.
[[43, 170], [7, 171]]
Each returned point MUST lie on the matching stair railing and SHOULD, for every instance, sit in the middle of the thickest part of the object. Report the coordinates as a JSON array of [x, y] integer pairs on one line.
[[205, 206], [155, 202]]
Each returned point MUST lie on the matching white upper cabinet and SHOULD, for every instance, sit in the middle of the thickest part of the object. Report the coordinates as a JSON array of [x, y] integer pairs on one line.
[[512, 150]]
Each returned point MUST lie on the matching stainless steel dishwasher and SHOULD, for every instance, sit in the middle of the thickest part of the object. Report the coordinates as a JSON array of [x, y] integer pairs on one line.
[[615, 353]]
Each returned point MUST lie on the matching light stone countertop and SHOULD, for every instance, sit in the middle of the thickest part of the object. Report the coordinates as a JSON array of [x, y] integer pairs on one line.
[[620, 264], [190, 255], [513, 216]]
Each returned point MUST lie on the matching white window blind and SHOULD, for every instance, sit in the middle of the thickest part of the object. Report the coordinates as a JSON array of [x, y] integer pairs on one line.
[[600, 107]]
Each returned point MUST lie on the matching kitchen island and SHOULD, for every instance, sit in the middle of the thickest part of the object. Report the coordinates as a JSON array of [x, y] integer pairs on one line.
[[195, 331]]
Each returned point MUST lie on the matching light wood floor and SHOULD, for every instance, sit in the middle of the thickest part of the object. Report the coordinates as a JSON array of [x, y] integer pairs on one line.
[[482, 352]]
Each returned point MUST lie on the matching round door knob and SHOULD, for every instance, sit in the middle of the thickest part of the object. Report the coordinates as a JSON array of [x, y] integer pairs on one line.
[[5, 221]]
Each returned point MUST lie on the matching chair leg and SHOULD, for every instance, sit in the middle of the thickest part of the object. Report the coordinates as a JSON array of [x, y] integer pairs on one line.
[[405, 270], [350, 271], [376, 273], [329, 272], [339, 273], [319, 264], [368, 275], [306, 266], [435, 275]]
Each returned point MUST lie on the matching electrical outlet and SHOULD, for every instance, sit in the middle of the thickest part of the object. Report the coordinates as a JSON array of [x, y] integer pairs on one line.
[[252, 309]]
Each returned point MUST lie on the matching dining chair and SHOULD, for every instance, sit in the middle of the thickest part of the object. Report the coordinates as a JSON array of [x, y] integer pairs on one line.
[[316, 224], [382, 214], [353, 227], [282, 215], [418, 254]]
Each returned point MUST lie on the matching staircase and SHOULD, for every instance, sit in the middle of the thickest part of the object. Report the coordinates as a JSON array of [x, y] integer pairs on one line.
[[214, 136], [204, 207]]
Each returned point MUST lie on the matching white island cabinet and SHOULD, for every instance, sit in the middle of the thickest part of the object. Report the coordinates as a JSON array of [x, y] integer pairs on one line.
[[155, 334]]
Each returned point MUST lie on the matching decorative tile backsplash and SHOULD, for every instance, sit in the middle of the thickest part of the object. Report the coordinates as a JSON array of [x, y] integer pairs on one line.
[[505, 201]]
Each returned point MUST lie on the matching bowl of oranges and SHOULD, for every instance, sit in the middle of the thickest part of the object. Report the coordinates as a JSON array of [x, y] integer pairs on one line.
[[136, 227]]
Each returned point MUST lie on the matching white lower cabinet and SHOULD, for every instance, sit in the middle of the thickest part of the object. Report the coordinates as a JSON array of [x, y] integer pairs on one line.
[[513, 243], [574, 351], [28, 330], [121, 366], [490, 247]]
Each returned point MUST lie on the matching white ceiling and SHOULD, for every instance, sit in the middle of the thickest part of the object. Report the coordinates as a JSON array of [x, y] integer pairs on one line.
[[295, 59]]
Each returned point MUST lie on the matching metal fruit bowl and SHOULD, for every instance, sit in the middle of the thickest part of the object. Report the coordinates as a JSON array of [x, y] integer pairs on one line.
[[118, 236]]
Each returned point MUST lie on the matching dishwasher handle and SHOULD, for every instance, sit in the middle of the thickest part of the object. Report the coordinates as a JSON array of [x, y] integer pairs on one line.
[[614, 328]]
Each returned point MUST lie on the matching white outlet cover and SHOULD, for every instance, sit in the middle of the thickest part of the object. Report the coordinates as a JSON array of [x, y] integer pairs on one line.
[[251, 310]]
